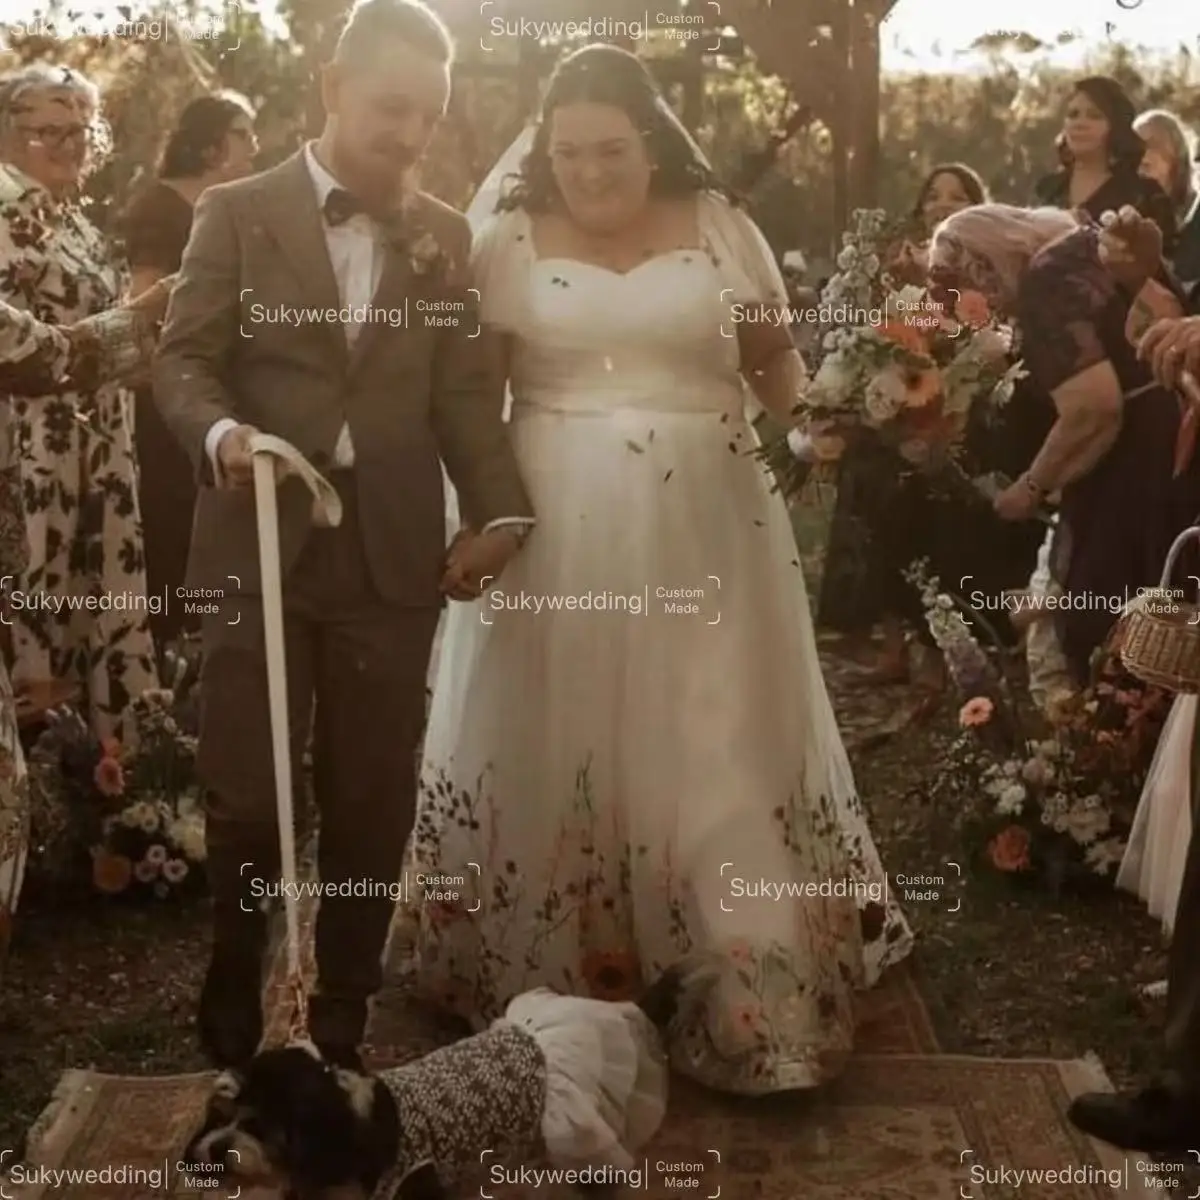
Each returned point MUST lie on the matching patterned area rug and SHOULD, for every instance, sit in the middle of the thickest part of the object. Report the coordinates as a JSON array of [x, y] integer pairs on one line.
[[903, 1123], [895, 1127]]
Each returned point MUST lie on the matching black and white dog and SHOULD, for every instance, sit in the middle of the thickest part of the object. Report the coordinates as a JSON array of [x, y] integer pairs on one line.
[[580, 1083]]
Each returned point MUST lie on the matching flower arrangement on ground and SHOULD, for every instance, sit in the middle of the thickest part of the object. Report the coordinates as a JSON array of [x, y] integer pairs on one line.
[[899, 366], [1057, 801], [122, 820]]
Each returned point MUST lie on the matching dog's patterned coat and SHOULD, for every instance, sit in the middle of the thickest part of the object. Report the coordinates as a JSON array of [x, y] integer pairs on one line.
[[477, 1102]]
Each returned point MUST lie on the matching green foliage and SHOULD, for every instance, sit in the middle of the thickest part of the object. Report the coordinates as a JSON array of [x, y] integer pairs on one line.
[[1001, 121]]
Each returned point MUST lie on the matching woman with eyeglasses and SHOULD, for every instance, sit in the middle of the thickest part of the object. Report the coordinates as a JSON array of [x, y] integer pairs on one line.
[[80, 605], [212, 142], [36, 359]]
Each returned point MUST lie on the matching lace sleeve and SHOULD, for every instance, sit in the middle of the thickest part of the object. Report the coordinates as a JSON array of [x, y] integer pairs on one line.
[[1061, 300]]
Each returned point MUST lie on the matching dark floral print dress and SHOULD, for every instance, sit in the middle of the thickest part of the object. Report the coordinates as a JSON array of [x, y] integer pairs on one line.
[[80, 606]]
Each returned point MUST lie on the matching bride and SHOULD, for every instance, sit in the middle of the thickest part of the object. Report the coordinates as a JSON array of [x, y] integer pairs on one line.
[[631, 757]]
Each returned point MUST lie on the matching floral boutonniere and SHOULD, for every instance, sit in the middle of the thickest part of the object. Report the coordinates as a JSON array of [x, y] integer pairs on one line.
[[425, 256]]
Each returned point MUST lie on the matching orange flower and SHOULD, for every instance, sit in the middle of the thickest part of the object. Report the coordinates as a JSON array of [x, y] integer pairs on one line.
[[909, 337], [828, 447], [111, 873], [611, 974], [109, 778], [977, 711], [973, 309], [921, 387], [1009, 849]]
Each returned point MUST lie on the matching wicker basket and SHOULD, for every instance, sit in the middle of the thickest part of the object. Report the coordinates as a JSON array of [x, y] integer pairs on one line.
[[1160, 643]]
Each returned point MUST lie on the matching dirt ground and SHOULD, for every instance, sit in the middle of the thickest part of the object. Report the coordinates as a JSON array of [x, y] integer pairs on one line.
[[1011, 973]]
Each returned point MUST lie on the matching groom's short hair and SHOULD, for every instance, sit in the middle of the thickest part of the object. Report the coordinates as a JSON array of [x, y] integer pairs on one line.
[[374, 23]]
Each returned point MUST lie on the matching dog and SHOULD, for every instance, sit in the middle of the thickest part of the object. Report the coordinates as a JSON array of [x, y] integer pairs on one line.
[[294, 1122]]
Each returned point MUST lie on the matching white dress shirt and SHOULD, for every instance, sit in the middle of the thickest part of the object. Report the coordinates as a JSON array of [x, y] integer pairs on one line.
[[356, 253]]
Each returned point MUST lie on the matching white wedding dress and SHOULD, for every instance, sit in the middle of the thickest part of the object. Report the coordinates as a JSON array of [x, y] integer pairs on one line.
[[1162, 827], [622, 786]]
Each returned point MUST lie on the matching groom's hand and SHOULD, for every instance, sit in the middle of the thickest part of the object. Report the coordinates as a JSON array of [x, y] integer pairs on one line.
[[233, 453], [475, 560]]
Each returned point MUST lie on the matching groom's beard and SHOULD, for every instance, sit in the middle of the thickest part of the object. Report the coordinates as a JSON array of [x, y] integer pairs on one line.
[[376, 185]]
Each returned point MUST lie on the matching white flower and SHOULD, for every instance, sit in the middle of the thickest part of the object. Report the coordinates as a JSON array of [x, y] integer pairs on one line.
[[848, 258], [1012, 768], [1085, 824], [157, 855], [1103, 855], [990, 345], [187, 834], [880, 401], [1037, 771], [141, 815], [1012, 801], [1049, 750], [145, 871], [175, 870], [871, 265]]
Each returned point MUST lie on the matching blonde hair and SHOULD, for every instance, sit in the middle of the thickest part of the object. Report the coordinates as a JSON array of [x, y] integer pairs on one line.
[[987, 248], [1165, 127]]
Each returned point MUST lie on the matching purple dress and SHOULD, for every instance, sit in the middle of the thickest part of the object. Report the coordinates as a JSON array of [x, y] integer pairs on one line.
[[1117, 522]]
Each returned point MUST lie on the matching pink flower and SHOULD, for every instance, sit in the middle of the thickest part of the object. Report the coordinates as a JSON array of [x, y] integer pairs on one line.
[[977, 711], [973, 309]]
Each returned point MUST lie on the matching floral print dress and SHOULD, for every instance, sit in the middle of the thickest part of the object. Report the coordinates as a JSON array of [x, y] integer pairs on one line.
[[80, 606]]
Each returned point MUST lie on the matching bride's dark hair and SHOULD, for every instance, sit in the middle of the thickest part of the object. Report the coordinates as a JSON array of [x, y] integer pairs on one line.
[[603, 74]]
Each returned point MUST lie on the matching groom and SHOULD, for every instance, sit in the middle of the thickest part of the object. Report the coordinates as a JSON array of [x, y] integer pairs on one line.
[[376, 408]]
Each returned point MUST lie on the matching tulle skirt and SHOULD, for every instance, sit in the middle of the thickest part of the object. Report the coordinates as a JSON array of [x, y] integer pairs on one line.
[[631, 758], [1158, 843]]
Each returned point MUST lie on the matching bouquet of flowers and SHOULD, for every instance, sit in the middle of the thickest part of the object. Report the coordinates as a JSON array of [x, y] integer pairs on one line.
[[896, 363], [127, 819], [1058, 804]]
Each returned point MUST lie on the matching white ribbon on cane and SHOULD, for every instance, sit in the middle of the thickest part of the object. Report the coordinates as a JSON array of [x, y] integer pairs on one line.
[[275, 460]]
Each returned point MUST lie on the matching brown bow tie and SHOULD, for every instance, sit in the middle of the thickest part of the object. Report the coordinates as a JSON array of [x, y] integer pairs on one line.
[[340, 206]]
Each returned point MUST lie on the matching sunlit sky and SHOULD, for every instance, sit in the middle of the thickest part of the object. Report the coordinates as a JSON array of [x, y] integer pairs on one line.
[[919, 34]]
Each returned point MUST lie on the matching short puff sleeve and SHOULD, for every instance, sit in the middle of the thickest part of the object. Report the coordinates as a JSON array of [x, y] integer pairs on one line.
[[740, 253], [501, 258], [1060, 305]]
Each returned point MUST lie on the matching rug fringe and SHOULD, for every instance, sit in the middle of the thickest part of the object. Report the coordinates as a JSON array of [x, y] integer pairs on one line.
[[1095, 1075], [63, 1104]]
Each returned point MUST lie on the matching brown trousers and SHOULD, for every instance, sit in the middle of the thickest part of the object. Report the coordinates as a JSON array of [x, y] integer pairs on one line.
[[356, 670]]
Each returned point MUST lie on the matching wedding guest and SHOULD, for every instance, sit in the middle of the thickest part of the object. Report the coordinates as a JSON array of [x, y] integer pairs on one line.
[[1116, 429], [1171, 162], [1100, 156], [79, 475], [212, 142], [1164, 1117], [879, 523], [35, 359]]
